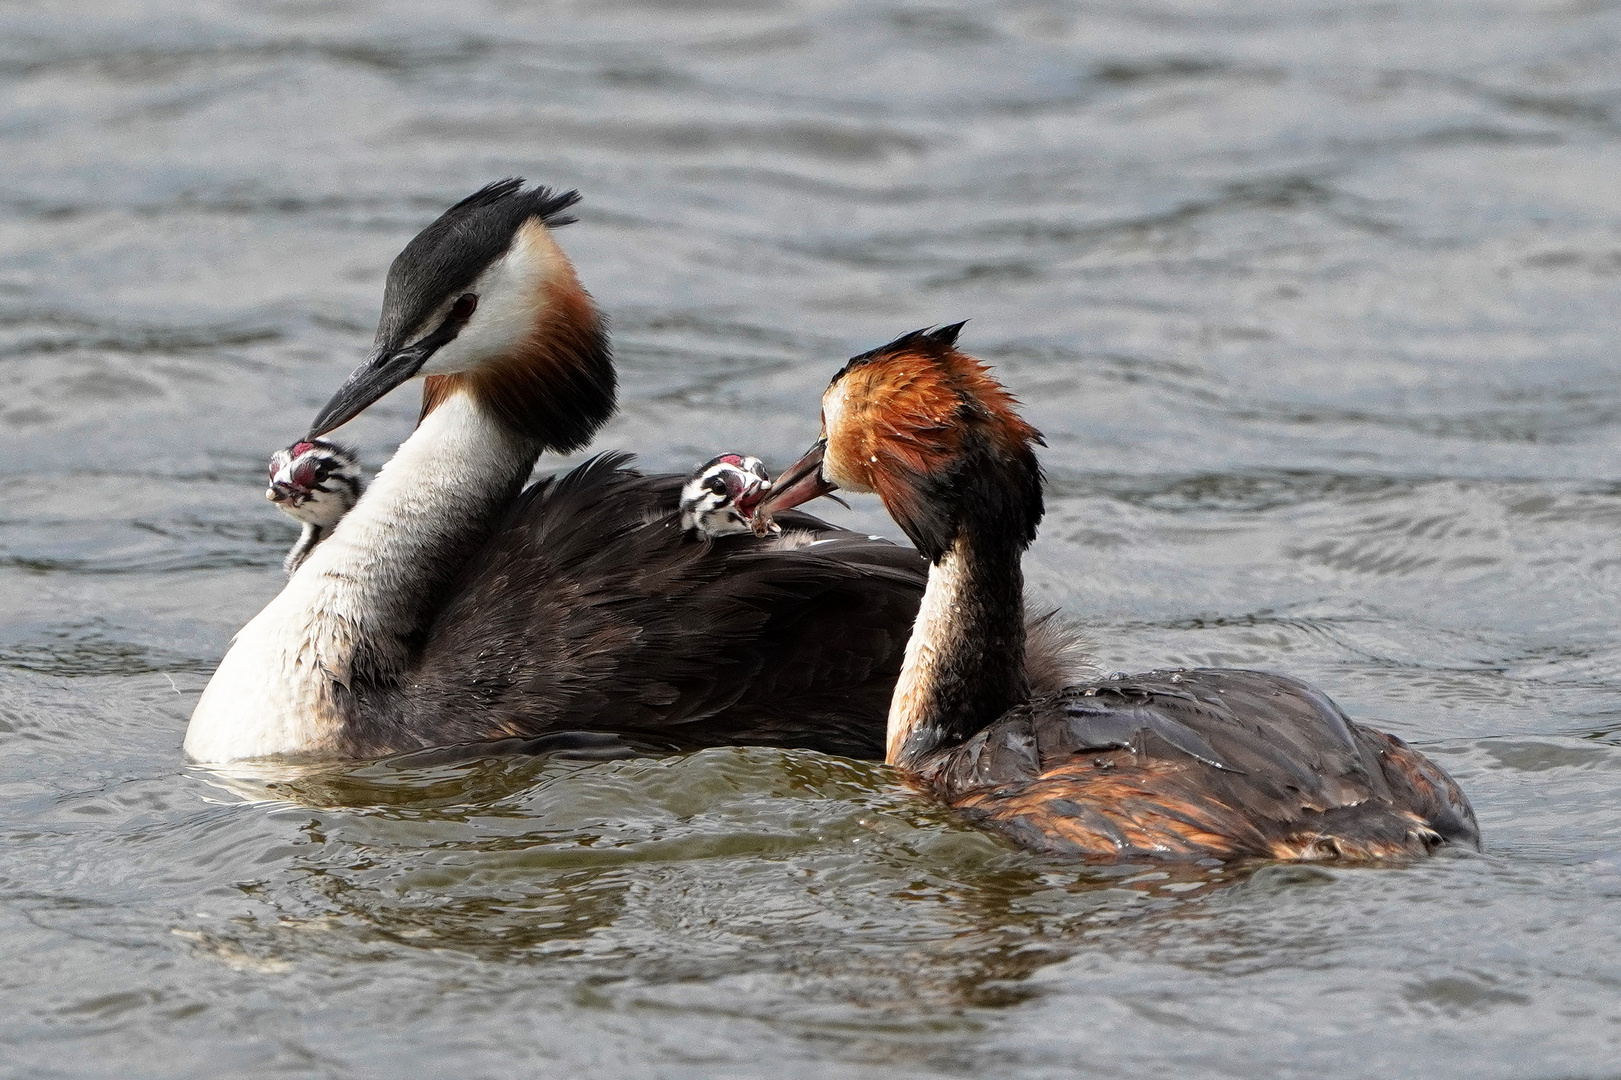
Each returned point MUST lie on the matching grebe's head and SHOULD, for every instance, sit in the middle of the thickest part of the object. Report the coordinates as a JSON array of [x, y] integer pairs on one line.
[[722, 494], [934, 434], [483, 299], [315, 483]]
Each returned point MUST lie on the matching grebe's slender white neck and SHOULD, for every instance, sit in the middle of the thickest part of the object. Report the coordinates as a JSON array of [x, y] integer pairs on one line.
[[351, 608], [937, 627]]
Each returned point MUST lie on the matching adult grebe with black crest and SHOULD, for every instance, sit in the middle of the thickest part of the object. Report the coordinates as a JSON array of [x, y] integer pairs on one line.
[[450, 605]]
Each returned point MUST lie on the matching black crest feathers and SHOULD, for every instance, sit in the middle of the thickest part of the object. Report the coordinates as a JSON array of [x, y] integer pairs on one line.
[[543, 202], [445, 258], [930, 341]]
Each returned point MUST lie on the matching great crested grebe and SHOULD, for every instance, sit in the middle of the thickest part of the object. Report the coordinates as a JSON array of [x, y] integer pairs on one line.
[[315, 484], [1202, 763], [451, 606]]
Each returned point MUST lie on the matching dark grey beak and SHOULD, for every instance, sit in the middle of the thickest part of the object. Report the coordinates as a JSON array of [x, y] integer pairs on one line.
[[383, 371], [386, 368]]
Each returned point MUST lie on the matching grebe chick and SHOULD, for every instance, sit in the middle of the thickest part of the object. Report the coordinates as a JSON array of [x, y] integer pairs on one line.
[[1185, 764], [314, 483], [720, 498]]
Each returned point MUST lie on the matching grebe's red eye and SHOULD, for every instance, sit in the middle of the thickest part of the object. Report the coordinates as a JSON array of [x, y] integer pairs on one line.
[[463, 308]]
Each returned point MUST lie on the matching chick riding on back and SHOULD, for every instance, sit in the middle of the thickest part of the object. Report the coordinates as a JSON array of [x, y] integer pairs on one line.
[[454, 605]]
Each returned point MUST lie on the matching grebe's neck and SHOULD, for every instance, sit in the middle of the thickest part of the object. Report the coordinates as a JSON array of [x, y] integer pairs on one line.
[[964, 664], [346, 619]]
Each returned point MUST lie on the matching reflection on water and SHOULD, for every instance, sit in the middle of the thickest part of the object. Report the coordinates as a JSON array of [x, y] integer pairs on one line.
[[674, 870], [1316, 305]]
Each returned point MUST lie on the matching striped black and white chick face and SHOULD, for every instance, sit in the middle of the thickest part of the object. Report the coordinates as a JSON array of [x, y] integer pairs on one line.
[[720, 498], [315, 483]]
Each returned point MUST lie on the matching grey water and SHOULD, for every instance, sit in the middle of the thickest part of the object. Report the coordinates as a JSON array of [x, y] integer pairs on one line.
[[1317, 304]]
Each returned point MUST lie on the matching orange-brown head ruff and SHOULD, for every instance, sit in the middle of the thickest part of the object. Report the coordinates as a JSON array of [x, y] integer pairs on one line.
[[934, 434]]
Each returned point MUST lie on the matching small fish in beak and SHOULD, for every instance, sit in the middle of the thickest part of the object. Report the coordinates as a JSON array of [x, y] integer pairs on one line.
[[800, 484]]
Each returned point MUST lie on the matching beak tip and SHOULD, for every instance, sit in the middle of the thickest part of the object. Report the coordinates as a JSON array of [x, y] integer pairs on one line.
[[800, 483], [379, 374]]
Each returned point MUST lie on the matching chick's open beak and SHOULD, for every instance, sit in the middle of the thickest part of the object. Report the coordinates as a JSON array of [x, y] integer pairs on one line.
[[293, 483], [749, 495], [283, 492]]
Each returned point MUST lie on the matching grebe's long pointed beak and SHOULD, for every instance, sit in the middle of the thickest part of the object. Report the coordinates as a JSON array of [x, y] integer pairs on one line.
[[381, 372], [387, 367], [800, 484]]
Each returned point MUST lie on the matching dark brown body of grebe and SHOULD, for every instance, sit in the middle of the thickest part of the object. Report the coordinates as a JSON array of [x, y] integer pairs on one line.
[[587, 610], [1206, 762]]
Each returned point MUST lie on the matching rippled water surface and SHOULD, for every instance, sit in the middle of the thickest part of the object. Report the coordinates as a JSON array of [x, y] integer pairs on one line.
[[1318, 306]]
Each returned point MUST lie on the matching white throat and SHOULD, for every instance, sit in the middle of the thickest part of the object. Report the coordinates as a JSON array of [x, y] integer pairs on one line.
[[361, 592], [932, 635]]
